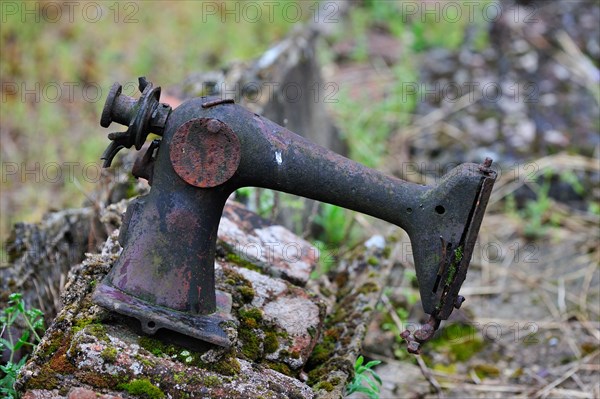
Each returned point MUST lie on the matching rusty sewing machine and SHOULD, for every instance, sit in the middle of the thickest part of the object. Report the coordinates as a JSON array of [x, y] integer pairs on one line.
[[209, 148]]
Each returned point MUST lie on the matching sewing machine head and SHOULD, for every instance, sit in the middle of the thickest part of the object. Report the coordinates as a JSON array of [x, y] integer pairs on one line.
[[209, 148]]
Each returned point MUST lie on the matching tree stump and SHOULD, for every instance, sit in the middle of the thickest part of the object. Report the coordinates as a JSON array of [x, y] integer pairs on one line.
[[293, 337]]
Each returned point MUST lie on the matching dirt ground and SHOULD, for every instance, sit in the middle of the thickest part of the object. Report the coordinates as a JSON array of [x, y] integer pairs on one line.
[[530, 326]]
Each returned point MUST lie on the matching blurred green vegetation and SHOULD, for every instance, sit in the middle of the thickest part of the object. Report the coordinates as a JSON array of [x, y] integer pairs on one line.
[[367, 125], [70, 57], [57, 66]]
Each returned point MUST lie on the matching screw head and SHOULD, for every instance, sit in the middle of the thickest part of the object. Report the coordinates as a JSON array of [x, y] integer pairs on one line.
[[413, 347], [424, 333], [214, 126]]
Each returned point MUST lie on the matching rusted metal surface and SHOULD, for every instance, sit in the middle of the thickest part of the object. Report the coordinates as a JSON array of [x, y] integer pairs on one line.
[[211, 147], [141, 117], [205, 152], [144, 164], [206, 328], [218, 101]]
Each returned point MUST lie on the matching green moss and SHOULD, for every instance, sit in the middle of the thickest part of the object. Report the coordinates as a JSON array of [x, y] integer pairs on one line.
[[368, 287], [373, 261], [81, 324], [99, 331], [109, 354], [179, 378], [333, 332], [271, 343], [458, 255], [280, 367], [152, 345], [45, 379], [325, 291], [459, 341], [326, 385], [54, 342], [211, 381], [251, 319], [227, 366], [387, 251], [240, 261], [317, 374], [336, 380], [251, 344], [486, 370], [240, 287], [247, 293], [343, 292], [142, 388], [251, 313], [92, 327], [145, 361], [322, 352], [99, 380]]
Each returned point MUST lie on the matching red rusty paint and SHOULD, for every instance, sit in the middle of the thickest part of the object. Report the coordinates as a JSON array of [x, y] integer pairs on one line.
[[202, 157]]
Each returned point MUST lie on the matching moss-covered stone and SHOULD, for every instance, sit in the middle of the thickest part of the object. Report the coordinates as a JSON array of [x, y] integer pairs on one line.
[[271, 343], [211, 381], [240, 261], [322, 352], [46, 379], [109, 354], [152, 345], [142, 388], [247, 293], [238, 286], [326, 385], [100, 380], [280, 367], [387, 251], [227, 366], [251, 343]]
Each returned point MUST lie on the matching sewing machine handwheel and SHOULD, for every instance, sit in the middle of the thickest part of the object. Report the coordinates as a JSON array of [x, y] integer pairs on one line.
[[205, 152]]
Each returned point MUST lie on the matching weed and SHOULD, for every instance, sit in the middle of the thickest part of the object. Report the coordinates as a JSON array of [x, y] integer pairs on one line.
[[335, 222], [367, 375], [535, 211], [34, 321]]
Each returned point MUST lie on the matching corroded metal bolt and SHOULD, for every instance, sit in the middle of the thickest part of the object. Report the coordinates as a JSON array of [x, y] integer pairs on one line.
[[459, 301], [424, 333], [486, 165], [214, 126], [413, 347]]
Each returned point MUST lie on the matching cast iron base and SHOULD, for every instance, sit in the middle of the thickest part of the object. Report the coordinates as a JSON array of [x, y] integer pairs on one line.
[[153, 317]]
